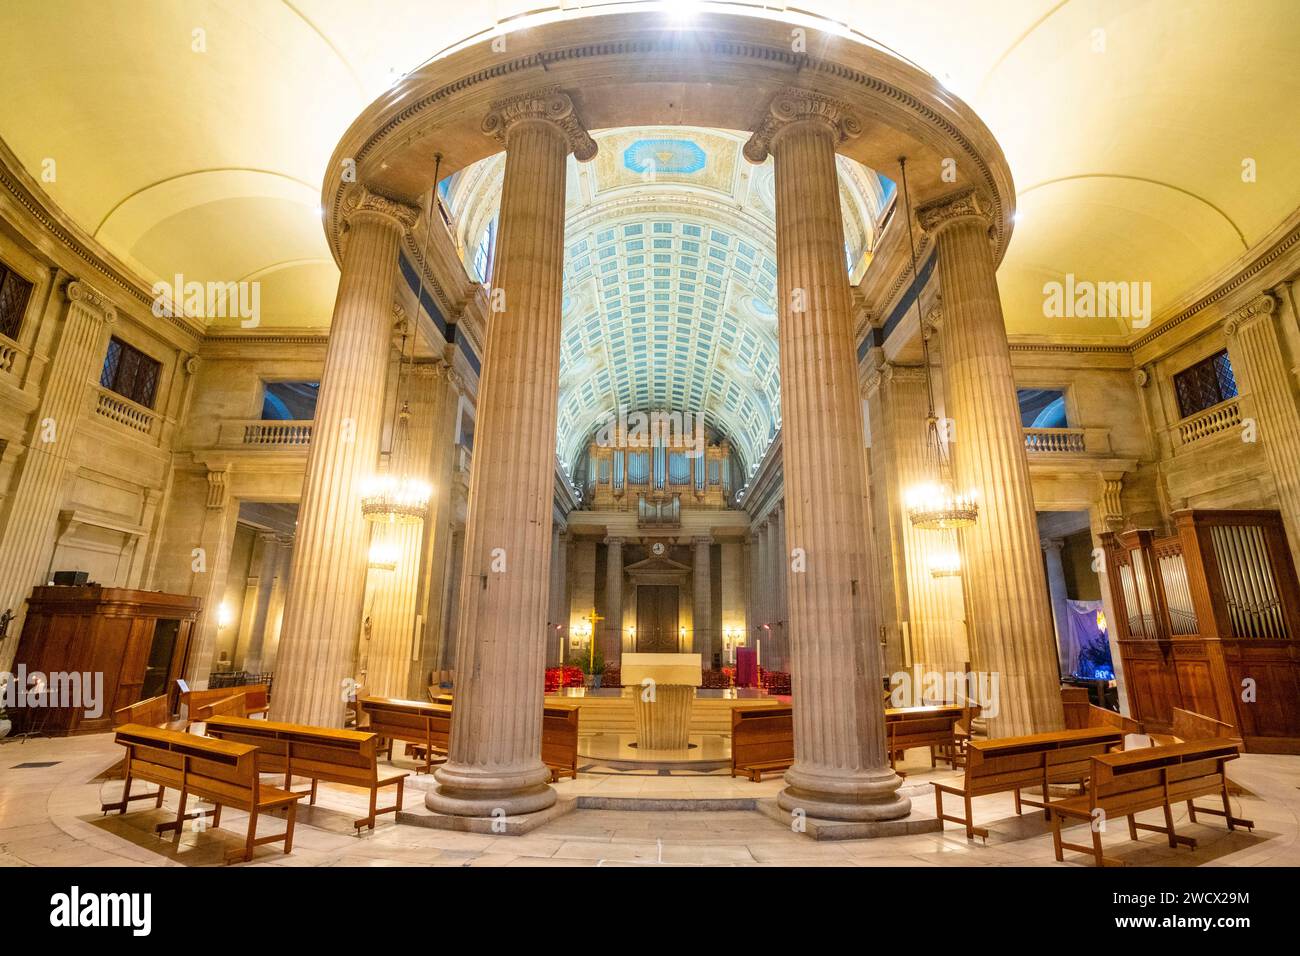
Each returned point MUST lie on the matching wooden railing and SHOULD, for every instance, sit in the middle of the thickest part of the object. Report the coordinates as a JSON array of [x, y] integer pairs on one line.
[[117, 408], [1054, 440], [269, 435], [1214, 420]]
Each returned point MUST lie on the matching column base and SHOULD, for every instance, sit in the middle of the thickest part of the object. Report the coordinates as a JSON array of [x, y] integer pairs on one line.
[[466, 791], [870, 795]]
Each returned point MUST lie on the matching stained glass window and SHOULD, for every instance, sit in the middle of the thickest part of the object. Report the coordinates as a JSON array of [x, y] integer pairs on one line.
[[1207, 383], [130, 373]]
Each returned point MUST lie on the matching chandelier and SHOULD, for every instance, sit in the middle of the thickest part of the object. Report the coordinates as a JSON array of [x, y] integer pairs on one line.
[[383, 556], [934, 504], [945, 562]]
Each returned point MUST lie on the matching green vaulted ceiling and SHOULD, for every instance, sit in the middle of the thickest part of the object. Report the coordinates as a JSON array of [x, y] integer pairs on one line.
[[670, 278]]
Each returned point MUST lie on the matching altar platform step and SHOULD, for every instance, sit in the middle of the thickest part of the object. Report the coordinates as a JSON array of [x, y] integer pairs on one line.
[[605, 713]]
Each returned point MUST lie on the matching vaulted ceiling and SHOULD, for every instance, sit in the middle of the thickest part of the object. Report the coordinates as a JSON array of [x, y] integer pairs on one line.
[[192, 137], [670, 278]]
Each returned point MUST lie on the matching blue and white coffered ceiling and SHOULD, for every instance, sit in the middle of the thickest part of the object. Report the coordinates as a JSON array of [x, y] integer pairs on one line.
[[669, 278]]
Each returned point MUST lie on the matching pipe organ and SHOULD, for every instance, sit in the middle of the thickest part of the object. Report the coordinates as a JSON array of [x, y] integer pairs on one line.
[[657, 473], [1209, 621]]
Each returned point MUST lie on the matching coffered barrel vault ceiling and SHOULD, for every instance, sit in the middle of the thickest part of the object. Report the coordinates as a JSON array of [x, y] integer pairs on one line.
[[1125, 129], [670, 278]]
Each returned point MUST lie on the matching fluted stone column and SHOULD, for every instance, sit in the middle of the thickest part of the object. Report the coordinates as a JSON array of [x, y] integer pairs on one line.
[[1010, 618], [611, 629], [934, 605], [1256, 353], [840, 770], [327, 583], [495, 756], [780, 593], [275, 616], [557, 634], [37, 490], [1057, 592], [702, 599], [764, 617], [393, 641], [262, 603]]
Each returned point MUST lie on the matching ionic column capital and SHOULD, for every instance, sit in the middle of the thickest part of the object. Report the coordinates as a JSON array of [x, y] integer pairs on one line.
[[1051, 544], [362, 203], [614, 541], [968, 204], [702, 540], [548, 105], [1264, 306], [791, 106], [92, 300]]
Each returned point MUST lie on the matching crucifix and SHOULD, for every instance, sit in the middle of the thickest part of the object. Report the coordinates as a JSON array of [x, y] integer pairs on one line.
[[592, 618]]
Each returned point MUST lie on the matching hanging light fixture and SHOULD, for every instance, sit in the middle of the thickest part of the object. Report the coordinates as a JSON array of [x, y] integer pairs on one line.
[[398, 496], [383, 556], [945, 561], [933, 504]]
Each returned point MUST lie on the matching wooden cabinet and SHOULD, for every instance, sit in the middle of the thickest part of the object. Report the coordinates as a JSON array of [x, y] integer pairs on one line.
[[133, 644]]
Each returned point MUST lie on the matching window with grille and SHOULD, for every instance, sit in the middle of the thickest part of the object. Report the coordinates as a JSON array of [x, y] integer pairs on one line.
[[14, 293], [1205, 384], [130, 373]]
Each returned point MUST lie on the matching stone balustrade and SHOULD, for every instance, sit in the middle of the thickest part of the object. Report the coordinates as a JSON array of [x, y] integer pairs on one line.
[[125, 412], [1213, 421], [256, 433], [1055, 440]]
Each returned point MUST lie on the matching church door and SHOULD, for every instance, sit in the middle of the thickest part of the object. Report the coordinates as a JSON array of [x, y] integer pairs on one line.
[[656, 619]]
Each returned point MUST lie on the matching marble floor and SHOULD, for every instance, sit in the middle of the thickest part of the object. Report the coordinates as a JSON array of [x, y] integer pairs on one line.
[[51, 789]]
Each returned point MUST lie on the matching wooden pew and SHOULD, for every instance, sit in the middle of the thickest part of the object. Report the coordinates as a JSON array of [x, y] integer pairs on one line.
[[1012, 763], [560, 740], [152, 712], [762, 741], [1080, 713], [1189, 725], [426, 725], [249, 699], [1122, 784], [319, 753], [225, 773], [932, 726]]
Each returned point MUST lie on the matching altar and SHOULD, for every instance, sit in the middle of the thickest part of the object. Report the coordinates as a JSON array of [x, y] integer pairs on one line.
[[663, 693]]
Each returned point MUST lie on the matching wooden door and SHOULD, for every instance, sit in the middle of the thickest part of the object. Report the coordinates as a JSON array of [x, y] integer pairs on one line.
[[656, 619]]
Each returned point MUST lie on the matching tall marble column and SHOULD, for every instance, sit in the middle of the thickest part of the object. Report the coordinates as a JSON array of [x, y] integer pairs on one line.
[[934, 605], [840, 770], [1057, 591], [495, 759], [262, 603], [394, 643], [275, 616], [558, 633], [764, 616], [611, 629], [702, 599], [1255, 348], [1010, 618], [37, 490], [780, 593], [327, 582]]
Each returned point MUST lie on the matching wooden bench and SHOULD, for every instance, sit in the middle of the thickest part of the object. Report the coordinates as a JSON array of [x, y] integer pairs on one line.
[[1013, 763], [1080, 713], [223, 772], [762, 741], [560, 740], [242, 701], [1122, 784], [426, 725], [152, 712], [319, 753], [932, 726]]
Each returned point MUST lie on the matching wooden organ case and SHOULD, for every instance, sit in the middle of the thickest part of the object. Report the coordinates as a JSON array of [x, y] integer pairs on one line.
[[1209, 621]]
